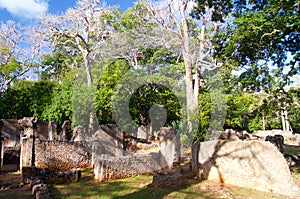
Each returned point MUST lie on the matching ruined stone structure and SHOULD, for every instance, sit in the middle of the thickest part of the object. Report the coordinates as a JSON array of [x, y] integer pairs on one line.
[[50, 176], [61, 155], [143, 132], [252, 164], [264, 134], [39, 178], [11, 131], [52, 130], [78, 134], [36, 152], [108, 167], [66, 133], [110, 164], [170, 180]]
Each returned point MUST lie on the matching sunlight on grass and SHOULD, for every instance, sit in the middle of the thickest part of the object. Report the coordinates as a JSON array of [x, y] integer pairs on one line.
[[131, 188], [291, 152], [124, 188], [89, 188]]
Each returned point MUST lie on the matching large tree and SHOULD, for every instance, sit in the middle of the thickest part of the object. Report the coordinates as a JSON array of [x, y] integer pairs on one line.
[[186, 30], [80, 31], [264, 41], [20, 49]]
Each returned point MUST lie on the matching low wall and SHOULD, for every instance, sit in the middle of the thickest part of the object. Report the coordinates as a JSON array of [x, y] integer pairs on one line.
[[252, 164], [50, 176], [61, 155], [109, 167]]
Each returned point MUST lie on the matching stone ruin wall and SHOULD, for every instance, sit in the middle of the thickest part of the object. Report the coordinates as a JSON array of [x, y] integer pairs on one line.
[[115, 166], [11, 131], [50, 176], [38, 151], [109, 168], [61, 155]]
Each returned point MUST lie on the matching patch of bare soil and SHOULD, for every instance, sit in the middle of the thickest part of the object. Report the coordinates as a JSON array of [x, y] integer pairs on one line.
[[10, 186], [219, 190]]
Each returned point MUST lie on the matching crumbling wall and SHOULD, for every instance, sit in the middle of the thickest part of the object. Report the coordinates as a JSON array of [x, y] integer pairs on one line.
[[50, 176], [108, 166], [35, 151], [11, 131], [61, 155]]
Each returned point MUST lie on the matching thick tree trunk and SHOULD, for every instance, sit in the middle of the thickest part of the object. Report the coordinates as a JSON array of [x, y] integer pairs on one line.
[[191, 92]]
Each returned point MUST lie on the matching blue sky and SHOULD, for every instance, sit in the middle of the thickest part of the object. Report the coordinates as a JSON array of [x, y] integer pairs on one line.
[[25, 10]]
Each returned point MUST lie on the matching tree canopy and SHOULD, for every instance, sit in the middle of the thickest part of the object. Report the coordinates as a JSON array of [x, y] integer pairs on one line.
[[181, 61]]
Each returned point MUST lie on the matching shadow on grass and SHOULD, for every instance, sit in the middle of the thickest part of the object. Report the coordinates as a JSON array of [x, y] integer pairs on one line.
[[117, 189]]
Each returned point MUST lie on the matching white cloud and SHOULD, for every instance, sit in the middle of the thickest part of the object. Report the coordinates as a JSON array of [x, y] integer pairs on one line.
[[25, 8]]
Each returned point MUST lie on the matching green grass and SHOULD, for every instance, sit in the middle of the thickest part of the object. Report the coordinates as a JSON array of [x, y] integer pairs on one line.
[[129, 188], [291, 152]]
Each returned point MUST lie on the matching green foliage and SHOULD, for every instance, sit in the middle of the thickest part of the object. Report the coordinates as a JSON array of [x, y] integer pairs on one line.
[[239, 108], [149, 95], [112, 71], [60, 108], [264, 33], [26, 98], [57, 64], [294, 110]]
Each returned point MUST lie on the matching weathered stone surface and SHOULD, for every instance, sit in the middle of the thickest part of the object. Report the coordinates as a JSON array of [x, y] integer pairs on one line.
[[11, 131], [12, 155], [115, 132], [251, 164], [143, 132], [170, 145], [39, 189], [52, 130], [228, 134], [27, 121], [42, 131], [61, 155], [106, 143], [36, 176], [277, 140], [109, 167], [78, 134], [66, 133], [264, 134], [170, 180]]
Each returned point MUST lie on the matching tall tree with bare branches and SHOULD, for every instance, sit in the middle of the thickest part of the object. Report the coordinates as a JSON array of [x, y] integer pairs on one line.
[[80, 30], [20, 49]]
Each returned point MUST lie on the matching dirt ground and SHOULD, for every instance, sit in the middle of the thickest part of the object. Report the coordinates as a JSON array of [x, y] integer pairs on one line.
[[10, 186]]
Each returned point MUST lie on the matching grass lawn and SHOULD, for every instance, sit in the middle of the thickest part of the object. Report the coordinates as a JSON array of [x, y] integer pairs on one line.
[[125, 188], [133, 187]]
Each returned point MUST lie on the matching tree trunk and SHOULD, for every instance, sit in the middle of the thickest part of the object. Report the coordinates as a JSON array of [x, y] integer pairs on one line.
[[89, 83], [283, 121], [287, 124], [191, 93]]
